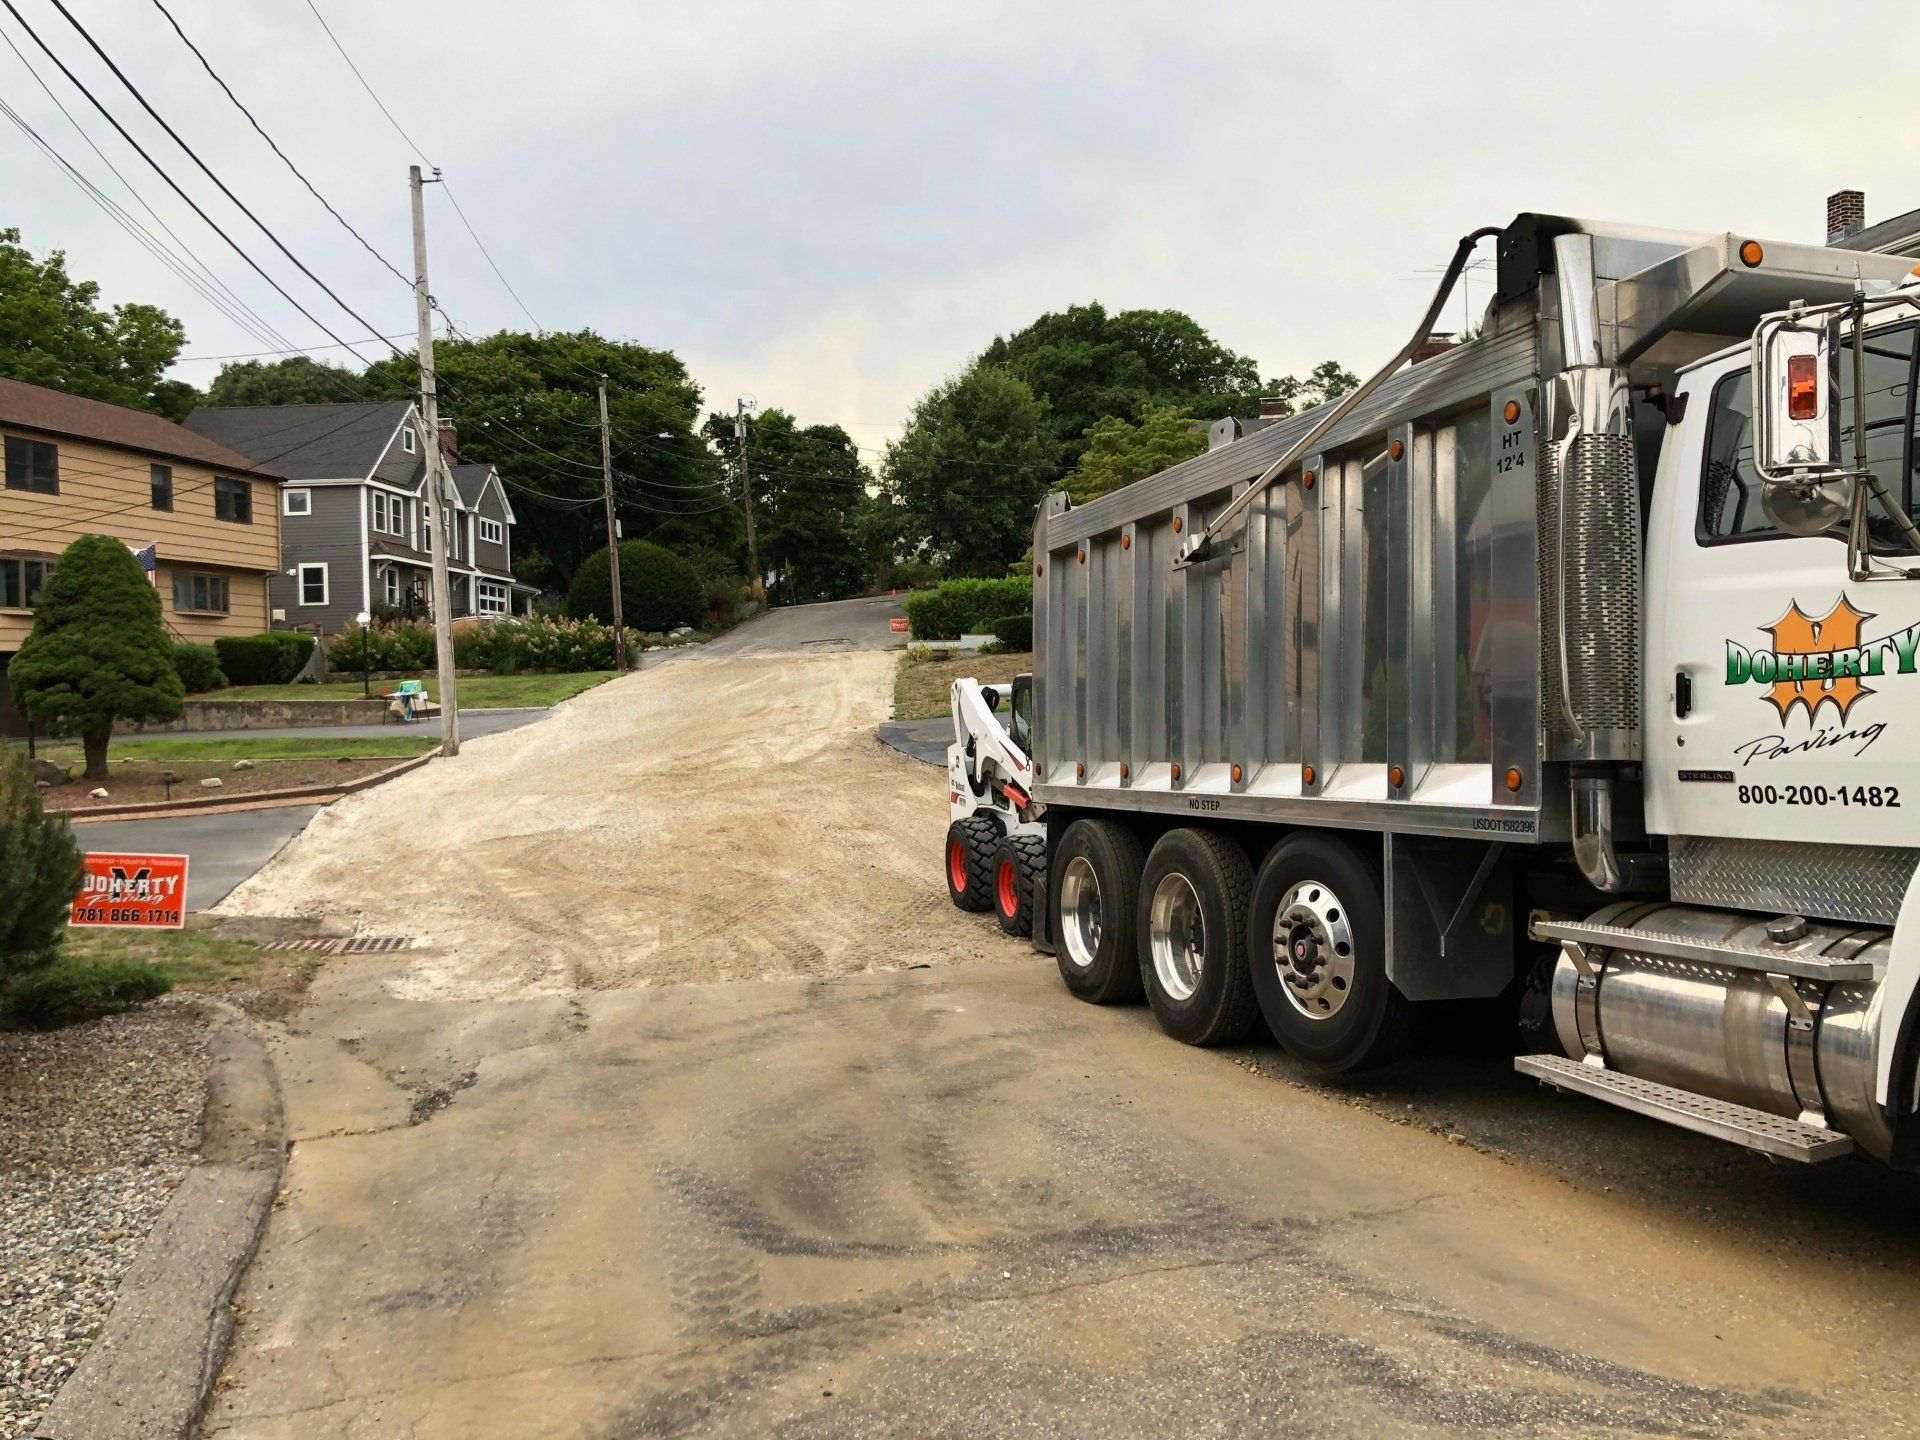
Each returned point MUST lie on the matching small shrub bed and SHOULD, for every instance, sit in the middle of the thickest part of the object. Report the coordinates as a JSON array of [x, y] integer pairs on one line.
[[199, 667], [79, 990], [270, 659], [1015, 632], [965, 607], [39, 871], [505, 647]]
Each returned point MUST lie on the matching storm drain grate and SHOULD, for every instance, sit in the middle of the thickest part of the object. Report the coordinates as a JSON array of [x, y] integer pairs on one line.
[[343, 945]]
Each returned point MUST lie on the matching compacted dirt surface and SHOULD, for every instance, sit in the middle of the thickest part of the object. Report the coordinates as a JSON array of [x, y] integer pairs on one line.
[[697, 1110]]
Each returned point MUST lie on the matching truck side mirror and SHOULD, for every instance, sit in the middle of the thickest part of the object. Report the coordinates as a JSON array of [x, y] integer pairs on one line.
[[1796, 423]]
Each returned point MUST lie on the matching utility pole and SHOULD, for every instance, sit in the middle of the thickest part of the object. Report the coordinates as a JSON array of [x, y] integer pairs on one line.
[[746, 493], [436, 476], [613, 538]]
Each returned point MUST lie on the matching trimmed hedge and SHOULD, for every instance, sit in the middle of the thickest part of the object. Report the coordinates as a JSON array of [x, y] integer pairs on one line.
[[79, 990], [270, 659], [658, 590], [506, 646], [199, 667], [1014, 631], [965, 607]]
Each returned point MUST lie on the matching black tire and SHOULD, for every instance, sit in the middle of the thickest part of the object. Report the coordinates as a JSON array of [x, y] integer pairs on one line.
[[1358, 1020], [1199, 884], [1098, 866], [969, 861], [1018, 861]]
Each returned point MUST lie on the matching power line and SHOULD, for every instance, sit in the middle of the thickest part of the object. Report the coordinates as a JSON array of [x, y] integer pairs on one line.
[[206, 65], [173, 184], [363, 83], [205, 169], [290, 350]]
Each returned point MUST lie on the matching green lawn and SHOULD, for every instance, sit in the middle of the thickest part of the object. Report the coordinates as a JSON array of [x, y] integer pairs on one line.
[[477, 692], [192, 957], [187, 747]]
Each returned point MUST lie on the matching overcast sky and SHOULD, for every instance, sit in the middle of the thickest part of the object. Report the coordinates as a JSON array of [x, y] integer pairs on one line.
[[831, 206]]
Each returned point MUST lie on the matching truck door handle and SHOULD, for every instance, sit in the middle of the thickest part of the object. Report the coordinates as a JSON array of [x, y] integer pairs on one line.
[[1682, 694]]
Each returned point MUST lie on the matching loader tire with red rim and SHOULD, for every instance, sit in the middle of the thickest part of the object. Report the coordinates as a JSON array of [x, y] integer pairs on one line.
[[1018, 863], [970, 846]]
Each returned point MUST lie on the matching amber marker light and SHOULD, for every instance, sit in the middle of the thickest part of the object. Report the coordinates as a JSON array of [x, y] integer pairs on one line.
[[1396, 450], [1039, 569], [1396, 777], [1126, 542], [1236, 774], [1803, 387], [1083, 557], [1306, 774], [1079, 772], [1178, 524], [1176, 772], [1306, 480], [1126, 771], [1751, 254], [1513, 780], [1512, 412]]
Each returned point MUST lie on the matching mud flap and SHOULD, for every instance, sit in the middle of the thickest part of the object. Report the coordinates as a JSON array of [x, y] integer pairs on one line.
[[1897, 1087], [1042, 914]]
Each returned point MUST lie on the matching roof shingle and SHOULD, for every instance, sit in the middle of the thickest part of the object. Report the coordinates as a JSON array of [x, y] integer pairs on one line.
[[305, 442], [54, 412]]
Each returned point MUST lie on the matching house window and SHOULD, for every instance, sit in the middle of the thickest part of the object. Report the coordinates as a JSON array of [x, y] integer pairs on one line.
[[313, 584], [391, 584], [206, 594], [33, 465], [232, 500], [406, 440], [379, 503], [296, 502], [490, 531], [492, 597], [21, 580], [161, 479]]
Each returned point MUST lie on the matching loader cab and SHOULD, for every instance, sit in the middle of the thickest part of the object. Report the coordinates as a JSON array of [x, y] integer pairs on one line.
[[1020, 712]]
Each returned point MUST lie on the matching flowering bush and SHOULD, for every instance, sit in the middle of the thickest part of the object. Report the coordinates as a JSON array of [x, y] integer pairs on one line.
[[506, 646]]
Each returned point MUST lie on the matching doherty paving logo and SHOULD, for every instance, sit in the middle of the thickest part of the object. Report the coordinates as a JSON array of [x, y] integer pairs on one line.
[[1821, 661]]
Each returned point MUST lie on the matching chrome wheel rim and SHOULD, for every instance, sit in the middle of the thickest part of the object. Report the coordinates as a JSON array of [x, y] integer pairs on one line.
[[1313, 950], [1177, 936], [1080, 922]]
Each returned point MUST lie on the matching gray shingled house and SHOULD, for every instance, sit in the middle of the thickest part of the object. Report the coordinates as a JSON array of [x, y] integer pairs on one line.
[[353, 513]]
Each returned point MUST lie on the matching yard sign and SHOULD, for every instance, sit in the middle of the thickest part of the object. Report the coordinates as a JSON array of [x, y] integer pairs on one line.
[[898, 624], [145, 891]]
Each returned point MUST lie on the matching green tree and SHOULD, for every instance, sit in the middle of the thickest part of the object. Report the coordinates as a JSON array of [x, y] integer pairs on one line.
[[526, 404], [296, 380], [810, 504], [1327, 381], [99, 651], [1119, 453], [54, 332], [970, 467], [1089, 365], [41, 874], [658, 590]]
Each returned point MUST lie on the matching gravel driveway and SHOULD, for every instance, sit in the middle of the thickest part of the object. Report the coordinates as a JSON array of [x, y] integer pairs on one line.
[[98, 1123]]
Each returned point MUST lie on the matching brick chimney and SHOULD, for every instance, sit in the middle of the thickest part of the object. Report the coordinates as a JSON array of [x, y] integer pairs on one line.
[[1272, 407], [448, 450], [1846, 214], [1433, 345]]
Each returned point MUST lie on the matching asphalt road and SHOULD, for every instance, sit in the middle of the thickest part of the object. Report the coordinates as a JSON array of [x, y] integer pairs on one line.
[[814, 629], [912, 1187], [221, 850], [473, 725]]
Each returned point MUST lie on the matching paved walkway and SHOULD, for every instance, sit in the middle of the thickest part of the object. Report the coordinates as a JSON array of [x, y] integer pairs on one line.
[[221, 850], [922, 740]]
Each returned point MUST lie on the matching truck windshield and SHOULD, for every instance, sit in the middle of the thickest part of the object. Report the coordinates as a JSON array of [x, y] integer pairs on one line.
[[1729, 487]]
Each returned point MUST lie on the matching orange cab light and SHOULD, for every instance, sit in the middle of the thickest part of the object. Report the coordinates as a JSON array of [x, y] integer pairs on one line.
[[1803, 387], [1751, 254], [1512, 412], [1513, 779]]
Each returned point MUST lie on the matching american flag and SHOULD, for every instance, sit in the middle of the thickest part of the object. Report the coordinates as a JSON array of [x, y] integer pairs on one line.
[[149, 559]]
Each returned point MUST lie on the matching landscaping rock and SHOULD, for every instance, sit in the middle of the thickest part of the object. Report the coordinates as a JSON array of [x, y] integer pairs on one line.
[[243, 764], [45, 772], [212, 782]]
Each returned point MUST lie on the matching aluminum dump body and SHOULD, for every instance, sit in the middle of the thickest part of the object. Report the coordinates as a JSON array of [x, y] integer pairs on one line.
[[1379, 624]]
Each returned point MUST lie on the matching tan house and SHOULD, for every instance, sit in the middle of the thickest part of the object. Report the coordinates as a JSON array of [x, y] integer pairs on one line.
[[209, 515]]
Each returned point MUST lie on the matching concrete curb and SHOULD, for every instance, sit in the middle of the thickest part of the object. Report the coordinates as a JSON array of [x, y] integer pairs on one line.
[[153, 1367], [262, 800]]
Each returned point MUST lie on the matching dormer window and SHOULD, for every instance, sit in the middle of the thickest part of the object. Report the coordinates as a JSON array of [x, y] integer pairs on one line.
[[407, 442]]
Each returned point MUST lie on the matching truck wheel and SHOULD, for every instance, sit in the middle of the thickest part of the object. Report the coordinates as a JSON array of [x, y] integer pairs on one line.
[[970, 846], [1094, 891], [1192, 936], [1316, 947], [1017, 862]]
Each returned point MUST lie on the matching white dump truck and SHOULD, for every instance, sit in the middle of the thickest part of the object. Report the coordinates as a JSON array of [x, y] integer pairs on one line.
[[1576, 668]]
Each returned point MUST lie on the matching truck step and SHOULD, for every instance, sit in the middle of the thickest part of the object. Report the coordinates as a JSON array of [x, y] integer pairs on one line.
[[1766, 959], [1773, 1135]]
